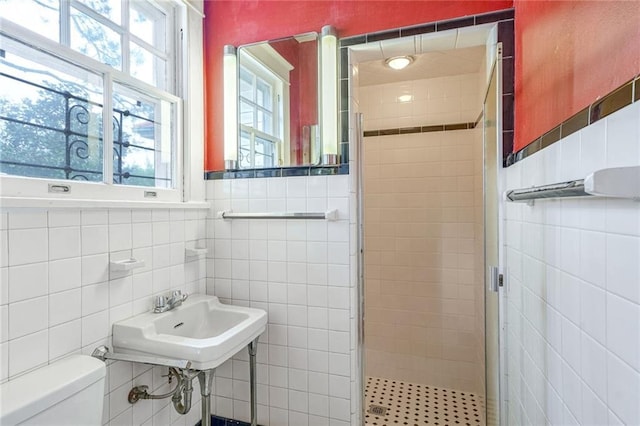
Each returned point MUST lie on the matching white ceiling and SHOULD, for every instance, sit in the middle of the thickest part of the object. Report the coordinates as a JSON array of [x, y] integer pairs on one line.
[[454, 52]]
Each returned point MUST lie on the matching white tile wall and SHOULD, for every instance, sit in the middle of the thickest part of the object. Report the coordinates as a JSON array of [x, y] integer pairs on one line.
[[299, 272], [573, 313], [58, 298]]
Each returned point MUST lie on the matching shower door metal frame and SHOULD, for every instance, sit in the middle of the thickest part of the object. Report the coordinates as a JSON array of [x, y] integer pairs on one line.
[[495, 275]]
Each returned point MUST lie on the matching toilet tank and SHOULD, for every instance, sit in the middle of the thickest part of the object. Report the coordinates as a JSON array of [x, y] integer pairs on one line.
[[66, 392]]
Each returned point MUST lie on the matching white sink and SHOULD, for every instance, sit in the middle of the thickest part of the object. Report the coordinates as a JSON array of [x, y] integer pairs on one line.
[[202, 330]]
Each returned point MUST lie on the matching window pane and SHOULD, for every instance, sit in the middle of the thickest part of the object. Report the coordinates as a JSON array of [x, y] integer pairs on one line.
[[143, 138], [264, 95], [40, 16], [148, 23], [246, 84], [108, 8], [246, 114], [244, 151], [265, 122], [50, 119], [148, 67], [95, 40], [264, 155]]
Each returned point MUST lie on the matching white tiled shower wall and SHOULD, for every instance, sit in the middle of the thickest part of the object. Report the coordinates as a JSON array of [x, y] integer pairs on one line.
[[424, 258], [301, 272], [573, 312], [58, 297], [433, 101]]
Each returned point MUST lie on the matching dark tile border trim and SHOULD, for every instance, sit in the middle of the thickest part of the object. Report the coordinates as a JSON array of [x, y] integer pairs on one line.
[[340, 169], [505, 21], [420, 129], [617, 99]]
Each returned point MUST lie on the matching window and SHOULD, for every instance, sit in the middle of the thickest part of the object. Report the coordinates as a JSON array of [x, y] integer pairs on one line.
[[88, 93], [261, 115]]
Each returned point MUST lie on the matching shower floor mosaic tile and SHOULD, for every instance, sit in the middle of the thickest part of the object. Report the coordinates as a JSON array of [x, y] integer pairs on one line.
[[393, 402]]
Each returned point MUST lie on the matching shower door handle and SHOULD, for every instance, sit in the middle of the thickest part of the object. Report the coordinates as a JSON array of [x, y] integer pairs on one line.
[[496, 279]]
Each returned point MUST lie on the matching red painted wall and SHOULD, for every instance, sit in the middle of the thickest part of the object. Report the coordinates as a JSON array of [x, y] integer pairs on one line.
[[303, 90], [241, 22], [568, 54]]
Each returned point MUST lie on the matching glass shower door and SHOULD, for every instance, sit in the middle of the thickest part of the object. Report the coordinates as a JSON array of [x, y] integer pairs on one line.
[[492, 161]]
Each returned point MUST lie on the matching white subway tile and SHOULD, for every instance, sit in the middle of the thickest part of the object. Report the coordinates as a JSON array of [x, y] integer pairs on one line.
[[95, 327], [623, 268], [296, 187], [28, 317], [120, 237], [622, 217], [623, 390], [120, 291], [593, 370], [4, 249], [622, 137], [161, 232], [64, 306], [94, 217], [95, 269], [95, 239], [63, 218], [4, 286], [623, 335], [22, 249], [593, 148], [141, 235], [64, 242], [64, 339], [95, 298], [27, 219], [4, 324], [64, 274], [28, 281], [593, 311], [140, 216], [28, 352]]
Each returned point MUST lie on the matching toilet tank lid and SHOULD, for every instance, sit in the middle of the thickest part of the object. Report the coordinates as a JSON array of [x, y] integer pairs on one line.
[[27, 395]]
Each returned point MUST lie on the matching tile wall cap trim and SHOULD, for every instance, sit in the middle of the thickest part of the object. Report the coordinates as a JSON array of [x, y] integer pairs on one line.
[[339, 169], [633, 86], [40, 203], [430, 27]]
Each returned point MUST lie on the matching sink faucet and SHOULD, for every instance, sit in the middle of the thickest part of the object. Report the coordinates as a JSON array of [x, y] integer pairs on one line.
[[167, 303]]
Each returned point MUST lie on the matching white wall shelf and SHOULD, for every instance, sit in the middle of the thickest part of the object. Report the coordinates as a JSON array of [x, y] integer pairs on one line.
[[125, 265]]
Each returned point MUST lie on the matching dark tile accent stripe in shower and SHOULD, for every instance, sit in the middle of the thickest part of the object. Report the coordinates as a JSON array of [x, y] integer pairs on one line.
[[617, 99], [419, 129], [504, 18]]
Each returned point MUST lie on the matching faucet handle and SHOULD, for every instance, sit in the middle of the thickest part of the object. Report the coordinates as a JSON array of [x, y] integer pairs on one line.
[[161, 302], [178, 295]]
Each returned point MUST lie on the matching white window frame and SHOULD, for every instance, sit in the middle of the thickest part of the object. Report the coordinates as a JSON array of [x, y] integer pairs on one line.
[[18, 191]]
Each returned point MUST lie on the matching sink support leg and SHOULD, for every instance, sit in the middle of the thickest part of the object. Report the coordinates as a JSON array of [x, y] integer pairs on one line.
[[253, 349], [206, 380]]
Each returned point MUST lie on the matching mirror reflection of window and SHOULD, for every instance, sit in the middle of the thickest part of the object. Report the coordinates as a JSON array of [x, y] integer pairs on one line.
[[261, 114]]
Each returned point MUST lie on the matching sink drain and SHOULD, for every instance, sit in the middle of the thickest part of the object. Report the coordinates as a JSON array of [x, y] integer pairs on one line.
[[377, 410]]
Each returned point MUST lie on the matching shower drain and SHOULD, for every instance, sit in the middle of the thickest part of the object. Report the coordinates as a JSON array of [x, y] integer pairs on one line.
[[377, 410]]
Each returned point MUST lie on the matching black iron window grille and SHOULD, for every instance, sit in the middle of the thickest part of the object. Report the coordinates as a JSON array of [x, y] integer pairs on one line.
[[60, 136]]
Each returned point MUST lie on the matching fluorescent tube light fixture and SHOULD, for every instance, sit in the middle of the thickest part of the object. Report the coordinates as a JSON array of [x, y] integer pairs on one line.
[[329, 94], [230, 76]]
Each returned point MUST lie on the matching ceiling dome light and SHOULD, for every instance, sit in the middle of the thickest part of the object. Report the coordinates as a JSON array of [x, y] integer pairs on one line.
[[399, 62]]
